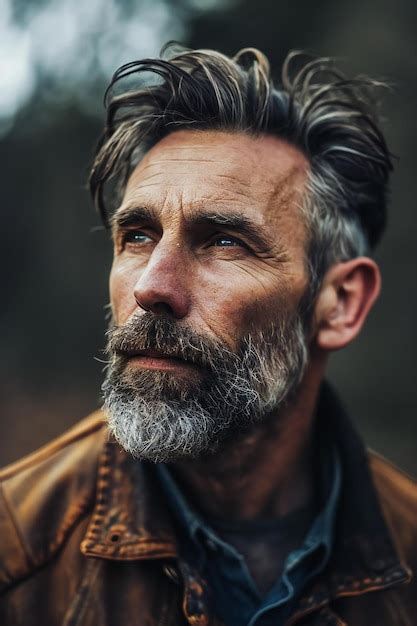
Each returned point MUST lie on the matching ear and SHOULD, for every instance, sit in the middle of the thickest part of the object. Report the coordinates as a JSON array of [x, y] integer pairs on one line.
[[347, 295]]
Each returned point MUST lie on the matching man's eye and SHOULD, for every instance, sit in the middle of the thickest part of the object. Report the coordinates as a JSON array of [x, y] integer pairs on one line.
[[227, 242], [137, 237]]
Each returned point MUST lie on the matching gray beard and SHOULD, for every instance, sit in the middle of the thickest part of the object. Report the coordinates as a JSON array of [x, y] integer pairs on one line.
[[160, 417]]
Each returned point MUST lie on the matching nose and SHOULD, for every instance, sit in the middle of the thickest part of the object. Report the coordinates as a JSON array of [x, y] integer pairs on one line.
[[161, 287]]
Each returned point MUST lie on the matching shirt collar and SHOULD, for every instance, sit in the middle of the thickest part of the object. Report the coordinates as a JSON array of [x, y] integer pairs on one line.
[[321, 532], [198, 531]]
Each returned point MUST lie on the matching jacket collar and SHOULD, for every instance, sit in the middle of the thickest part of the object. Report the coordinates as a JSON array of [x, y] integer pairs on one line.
[[132, 521], [364, 557], [364, 552]]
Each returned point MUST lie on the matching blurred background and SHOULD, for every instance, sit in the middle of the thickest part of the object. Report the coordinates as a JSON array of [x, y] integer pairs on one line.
[[56, 57]]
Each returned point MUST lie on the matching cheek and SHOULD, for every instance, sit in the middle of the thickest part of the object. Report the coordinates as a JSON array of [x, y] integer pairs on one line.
[[121, 286], [233, 304], [230, 309], [262, 309]]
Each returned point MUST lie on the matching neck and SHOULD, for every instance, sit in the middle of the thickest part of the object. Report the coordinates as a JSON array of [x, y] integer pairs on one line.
[[266, 474]]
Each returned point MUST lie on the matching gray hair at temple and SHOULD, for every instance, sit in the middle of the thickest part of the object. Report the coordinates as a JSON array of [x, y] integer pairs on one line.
[[330, 118]]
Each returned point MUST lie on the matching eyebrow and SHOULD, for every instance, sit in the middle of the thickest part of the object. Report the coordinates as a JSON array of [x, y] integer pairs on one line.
[[130, 216], [238, 222]]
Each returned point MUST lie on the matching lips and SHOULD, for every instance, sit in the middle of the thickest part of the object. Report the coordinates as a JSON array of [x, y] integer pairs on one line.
[[160, 361], [155, 355]]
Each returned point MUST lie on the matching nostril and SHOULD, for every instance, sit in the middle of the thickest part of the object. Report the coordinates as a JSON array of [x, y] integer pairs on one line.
[[159, 308], [162, 308]]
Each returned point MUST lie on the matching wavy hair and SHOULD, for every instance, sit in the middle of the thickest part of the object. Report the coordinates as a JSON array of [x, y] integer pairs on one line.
[[330, 118]]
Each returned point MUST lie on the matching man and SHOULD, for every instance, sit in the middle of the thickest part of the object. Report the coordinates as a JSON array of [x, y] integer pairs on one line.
[[223, 482]]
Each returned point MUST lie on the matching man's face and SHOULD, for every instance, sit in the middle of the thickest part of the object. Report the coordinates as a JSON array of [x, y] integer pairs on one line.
[[209, 269]]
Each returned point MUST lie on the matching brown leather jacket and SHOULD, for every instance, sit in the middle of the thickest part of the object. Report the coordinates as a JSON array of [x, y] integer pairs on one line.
[[86, 540]]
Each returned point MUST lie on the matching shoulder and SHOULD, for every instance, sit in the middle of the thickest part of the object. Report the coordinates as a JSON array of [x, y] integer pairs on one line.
[[396, 489], [397, 493], [45, 494]]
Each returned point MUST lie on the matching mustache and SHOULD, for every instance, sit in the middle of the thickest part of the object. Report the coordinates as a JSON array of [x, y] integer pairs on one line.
[[145, 331]]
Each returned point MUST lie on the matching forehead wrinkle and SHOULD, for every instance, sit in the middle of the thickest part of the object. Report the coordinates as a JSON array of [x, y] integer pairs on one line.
[[222, 184], [205, 147], [150, 207], [151, 158], [187, 160], [218, 156], [145, 171], [244, 183], [230, 184]]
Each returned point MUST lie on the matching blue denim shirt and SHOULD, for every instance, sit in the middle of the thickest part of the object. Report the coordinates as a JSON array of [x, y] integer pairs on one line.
[[235, 598]]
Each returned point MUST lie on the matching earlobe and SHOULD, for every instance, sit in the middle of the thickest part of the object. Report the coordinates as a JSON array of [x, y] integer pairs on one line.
[[348, 293]]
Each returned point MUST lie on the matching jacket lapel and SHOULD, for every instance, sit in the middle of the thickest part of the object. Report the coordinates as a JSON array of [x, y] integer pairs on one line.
[[130, 519]]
